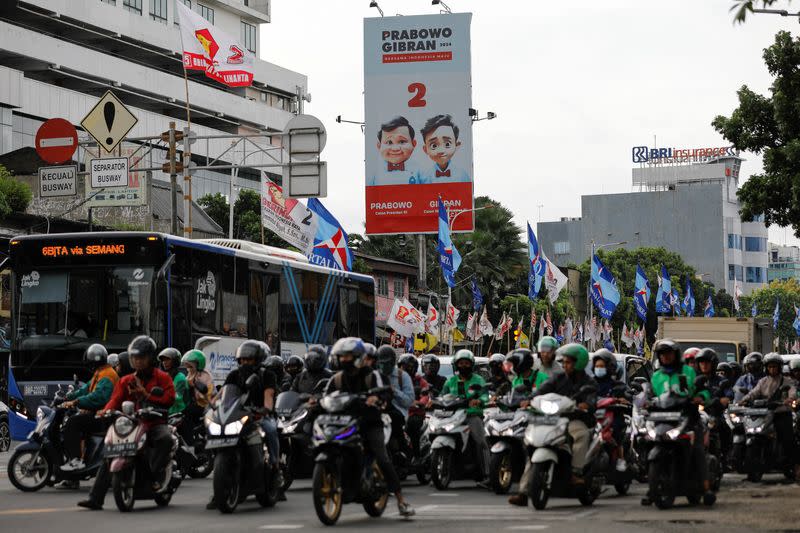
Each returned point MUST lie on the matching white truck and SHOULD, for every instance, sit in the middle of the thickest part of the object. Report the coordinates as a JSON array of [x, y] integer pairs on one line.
[[732, 338]]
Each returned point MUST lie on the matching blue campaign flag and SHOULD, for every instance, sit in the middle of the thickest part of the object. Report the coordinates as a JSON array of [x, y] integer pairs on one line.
[[688, 300], [477, 297], [641, 294], [330, 247], [675, 301], [709, 310], [449, 258], [538, 265], [605, 294], [796, 323], [776, 314], [754, 310], [664, 295]]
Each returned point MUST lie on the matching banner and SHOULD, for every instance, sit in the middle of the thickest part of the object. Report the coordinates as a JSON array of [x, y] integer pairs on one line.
[[207, 48], [417, 96], [330, 247], [288, 218]]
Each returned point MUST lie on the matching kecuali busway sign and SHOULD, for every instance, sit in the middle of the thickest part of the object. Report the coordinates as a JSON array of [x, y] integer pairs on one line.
[[658, 156], [57, 181]]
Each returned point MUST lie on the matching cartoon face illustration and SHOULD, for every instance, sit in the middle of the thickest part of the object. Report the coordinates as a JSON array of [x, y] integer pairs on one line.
[[440, 138], [396, 141]]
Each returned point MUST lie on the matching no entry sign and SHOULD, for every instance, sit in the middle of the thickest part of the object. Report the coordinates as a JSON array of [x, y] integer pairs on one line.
[[56, 141]]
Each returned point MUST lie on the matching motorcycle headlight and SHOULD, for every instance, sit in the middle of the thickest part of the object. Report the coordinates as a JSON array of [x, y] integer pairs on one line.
[[39, 414], [234, 428], [734, 418], [673, 433], [548, 407], [212, 427], [123, 426]]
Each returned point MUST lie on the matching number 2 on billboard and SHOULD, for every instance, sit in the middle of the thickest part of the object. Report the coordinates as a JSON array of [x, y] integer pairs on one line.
[[418, 100]]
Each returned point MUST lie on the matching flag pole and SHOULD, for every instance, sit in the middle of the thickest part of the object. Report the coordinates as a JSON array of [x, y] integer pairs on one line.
[[187, 158]]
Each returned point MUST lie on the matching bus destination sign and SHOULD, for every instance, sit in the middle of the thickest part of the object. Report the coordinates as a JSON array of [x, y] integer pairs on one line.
[[82, 250]]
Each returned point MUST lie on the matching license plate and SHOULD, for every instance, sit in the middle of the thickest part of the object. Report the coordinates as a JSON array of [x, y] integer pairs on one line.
[[221, 443], [502, 416], [441, 413], [755, 412], [663, 417], [121, 449], [544, 420]]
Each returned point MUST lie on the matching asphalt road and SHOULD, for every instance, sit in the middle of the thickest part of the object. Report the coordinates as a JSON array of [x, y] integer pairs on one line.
[[742, 507]]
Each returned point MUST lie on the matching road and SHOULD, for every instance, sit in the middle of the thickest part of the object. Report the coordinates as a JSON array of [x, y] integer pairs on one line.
[[742, 506]]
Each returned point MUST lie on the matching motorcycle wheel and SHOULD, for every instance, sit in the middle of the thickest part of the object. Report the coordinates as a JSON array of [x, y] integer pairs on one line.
[[715, 472], [539, 489], [226, 482], [622, 487], [500, 472], [442, 468], [162, 499], [424, 471], [25, 476], [661, 490], [286, 470], [203, 467], [594, 486], [269, 497], [693, 499], [375, 508], [327, 494], [124, 485]]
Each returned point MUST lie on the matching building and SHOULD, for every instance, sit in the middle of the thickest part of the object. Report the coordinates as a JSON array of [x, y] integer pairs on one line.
[[57, 57], [784, 262], [393, 279], [686, 202]]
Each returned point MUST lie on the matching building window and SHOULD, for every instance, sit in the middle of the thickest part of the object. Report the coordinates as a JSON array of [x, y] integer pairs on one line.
[[734, 241], [755, 275], [755, 244], [207, 13], [383, 286], [249, 36], [112, 2], [399, 287], [562, 247], [735, 273], [134, 6], [158, 10]]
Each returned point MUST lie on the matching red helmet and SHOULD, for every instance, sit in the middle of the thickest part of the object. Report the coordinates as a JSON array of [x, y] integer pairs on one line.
[[690, 353]]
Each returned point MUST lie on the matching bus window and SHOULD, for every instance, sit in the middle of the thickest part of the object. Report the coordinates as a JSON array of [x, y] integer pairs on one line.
[[348, 312], [263, 315], [366, 311], [180, 298], [206, 285], [234, 297]]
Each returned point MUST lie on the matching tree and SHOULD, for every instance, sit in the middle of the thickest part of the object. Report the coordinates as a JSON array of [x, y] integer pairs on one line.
[[744, 7], [788, 294], [770, 125], [246, 216], [15, 196]]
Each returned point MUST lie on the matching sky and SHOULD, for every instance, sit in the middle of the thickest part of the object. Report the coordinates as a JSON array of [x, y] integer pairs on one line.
[[575, 85]]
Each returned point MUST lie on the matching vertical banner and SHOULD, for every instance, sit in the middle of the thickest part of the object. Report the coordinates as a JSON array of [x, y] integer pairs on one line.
[[417, 96]]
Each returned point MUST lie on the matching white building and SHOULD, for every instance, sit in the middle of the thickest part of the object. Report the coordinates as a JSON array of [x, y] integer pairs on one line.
[[57, 57]]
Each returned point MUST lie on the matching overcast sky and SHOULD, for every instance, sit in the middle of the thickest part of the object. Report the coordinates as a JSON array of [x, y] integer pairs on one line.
[[574, 85]]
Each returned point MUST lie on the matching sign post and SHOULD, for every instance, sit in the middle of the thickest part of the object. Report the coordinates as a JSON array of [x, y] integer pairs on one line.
[[56, 141]]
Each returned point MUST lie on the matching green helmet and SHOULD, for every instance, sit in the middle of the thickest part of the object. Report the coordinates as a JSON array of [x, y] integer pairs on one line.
[[547, 343], [577, 352], [463, 354], [196, 357]]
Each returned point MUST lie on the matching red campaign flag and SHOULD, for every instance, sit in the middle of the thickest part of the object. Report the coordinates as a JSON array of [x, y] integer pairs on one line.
[[208, 48]]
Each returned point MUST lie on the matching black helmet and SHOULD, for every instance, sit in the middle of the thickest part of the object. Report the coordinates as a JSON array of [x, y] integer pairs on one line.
[[668, 345], [430, 363], [250, 350], [409, 363], [608, 358], [266, 349], [496, 362], [274, 363], [143, 346], [316, 358], [387, 359], [171, 353], [294, 362], [520, 360], [725, 368], [754, 362], [124, 363], [95, 356], [352, 345], [707, 355]]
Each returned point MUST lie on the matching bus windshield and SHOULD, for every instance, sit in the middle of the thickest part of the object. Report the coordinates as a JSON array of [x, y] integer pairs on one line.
[[68, 309]]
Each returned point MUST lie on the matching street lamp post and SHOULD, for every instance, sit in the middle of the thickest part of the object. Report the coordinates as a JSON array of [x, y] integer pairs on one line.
[[595, 248]]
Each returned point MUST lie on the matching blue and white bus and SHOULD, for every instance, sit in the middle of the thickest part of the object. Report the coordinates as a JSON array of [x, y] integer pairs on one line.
[[72, 290]]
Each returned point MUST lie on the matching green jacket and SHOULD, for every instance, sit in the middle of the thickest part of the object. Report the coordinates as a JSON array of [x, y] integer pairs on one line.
[[663, 382], [451, 386], [181, 393], [531, 381], [95, 393]]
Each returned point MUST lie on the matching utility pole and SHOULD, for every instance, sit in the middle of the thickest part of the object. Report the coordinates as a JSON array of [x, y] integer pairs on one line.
[[187, 184], [173, 180], [422, 279]]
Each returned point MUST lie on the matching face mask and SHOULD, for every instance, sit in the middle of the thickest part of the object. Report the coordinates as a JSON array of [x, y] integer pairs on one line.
[[600, 372], [347, 366], [144, 375], [465, 372]]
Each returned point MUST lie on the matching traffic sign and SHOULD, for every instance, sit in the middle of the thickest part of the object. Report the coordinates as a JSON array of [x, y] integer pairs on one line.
[[57, 181], [109, 172], [109, 121], [56, 140]]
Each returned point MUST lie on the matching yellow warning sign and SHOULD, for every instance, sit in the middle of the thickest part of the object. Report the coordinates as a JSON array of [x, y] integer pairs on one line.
[[109, 121]]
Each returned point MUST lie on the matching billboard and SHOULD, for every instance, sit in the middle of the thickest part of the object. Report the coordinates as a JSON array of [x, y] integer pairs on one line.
[[417, 96]]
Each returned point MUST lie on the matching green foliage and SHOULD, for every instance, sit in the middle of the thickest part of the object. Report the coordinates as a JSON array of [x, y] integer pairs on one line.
[[246, 216], [770, 125], [744, 8], [15, 196], [785, 292]]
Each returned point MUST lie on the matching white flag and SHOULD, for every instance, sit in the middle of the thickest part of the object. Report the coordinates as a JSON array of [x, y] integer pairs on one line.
[[499, 331], [471, 326], [554, 280], [415, 318], [626, 337], [737, 292], [568, 330], [432, 320], [485, 325], [398, 319], [207, 48], [288, 218], [451, 319]]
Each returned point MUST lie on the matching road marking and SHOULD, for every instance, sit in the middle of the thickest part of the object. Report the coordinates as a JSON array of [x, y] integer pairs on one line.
[[282, 526], [35, 511], [445, 494], [532, 527]]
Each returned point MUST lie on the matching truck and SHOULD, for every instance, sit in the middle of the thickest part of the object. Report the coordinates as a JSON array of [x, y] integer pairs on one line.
[[732, 338]]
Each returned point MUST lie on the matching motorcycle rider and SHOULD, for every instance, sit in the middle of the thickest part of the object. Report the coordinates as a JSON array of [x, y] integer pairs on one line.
[[708, 366], [547, 359], [370, 355], [113, 361], [430, 371], [498, 379], [688, 357], [670, 377], [416, 413], [568, 383], [315, 371], [294, 366], [794, 370], [261, 395], [519, 363], [604, 368], [194, 361], [354, 378], [769, 387], [274, 363], [91, 397], [754, 371], [170, 359], [402, 397], [459, 384]]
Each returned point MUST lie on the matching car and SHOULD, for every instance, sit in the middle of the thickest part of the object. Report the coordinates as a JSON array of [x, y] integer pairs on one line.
[[5, 432], [446, 366]]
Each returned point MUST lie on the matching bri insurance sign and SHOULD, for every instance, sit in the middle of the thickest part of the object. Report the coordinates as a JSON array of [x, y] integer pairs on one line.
[[417, 96]]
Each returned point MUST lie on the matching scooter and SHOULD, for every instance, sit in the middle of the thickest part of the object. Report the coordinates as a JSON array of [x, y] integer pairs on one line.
[[763, 452], [505, 434], [547, 437], [241, 463], [131, 477], [640, 444], [295, 419], [36, 462], [609, 410], [734, 417]]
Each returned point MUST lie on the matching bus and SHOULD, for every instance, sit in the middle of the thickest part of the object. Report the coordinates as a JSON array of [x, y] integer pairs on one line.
[[71, 290]]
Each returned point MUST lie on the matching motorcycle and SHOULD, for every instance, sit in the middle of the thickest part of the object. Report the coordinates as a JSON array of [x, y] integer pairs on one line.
[[193, 461], [608, 410], [343, 472], [547, 437], [37, 462], [640, 444], [295, 420], [131, 477], [763, 452], [734, 417], [241, 465], [505, 432], [452, 451]]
